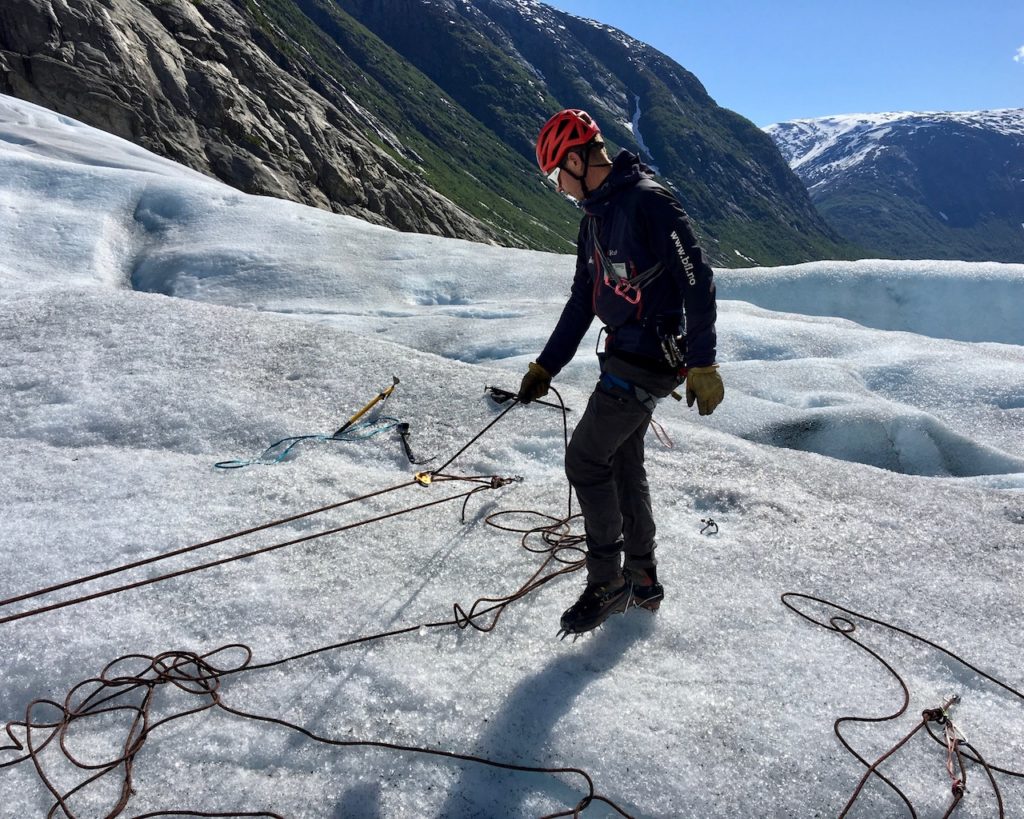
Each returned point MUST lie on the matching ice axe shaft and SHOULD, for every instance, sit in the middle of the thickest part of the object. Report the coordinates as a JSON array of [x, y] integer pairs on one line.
[[380, 397]]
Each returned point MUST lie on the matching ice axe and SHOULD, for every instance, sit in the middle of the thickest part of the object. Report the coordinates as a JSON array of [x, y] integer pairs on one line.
[[383, 396]]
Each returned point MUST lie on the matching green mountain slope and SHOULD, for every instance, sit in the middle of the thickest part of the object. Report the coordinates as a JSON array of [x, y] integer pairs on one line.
[[456, 154], [511, 64]]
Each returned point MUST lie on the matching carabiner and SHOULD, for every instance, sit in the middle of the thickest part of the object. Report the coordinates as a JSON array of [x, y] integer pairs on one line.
[[627, 291]]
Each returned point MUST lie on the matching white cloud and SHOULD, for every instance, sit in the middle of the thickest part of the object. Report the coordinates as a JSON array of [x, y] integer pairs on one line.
[[1019, 56]]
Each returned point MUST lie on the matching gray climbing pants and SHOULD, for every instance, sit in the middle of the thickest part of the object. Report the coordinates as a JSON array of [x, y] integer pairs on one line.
[[605, 465]]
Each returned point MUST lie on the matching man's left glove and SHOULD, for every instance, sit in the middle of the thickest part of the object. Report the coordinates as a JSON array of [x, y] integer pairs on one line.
[[535, 383], [704, 385]]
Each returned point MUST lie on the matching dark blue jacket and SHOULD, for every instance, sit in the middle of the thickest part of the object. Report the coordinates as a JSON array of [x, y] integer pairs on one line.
[[637, 225]]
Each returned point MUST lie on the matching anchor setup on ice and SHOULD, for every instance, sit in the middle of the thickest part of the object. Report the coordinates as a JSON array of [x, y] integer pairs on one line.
[[367, 422]]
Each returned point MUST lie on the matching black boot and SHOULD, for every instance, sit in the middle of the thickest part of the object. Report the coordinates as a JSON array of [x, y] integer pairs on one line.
[[644, 589], [597, 603]]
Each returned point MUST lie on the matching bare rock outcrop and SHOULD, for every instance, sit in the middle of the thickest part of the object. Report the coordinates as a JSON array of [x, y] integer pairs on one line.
[[199, 83]]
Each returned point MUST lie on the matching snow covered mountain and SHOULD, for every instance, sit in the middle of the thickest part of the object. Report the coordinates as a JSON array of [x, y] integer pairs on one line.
[[154, 322], [916, 185]]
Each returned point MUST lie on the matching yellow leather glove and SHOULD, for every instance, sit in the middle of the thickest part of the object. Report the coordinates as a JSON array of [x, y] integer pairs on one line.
[[704, 385], [535, 383]]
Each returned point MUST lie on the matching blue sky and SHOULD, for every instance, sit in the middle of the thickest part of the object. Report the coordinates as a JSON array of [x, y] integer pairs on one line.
[[787, 59]]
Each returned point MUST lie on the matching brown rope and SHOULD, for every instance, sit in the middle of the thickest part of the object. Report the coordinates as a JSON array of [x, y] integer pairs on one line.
[[230, 559], [200, 676], [186, 549], [873, 769], [492, 482], [557, 537], [844, 625]]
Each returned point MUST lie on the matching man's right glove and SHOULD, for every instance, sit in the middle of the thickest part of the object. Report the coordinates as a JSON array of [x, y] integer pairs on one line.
[[535, 383], [704, 385]]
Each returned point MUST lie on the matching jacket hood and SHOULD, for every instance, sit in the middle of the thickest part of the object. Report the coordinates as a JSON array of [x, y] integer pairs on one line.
[[627, 170]]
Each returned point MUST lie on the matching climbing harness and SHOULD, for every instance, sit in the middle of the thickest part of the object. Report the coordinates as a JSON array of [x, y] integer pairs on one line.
[[649, 401], [617, 276]]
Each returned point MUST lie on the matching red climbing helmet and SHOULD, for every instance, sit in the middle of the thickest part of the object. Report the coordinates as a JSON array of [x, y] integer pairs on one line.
[[567, 129]]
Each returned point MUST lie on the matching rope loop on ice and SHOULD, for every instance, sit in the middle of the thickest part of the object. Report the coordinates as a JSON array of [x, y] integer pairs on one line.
[[952, 740]]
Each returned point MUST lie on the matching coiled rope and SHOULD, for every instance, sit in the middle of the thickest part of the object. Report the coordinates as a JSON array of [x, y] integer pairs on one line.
[[132, 690], [952, 740]]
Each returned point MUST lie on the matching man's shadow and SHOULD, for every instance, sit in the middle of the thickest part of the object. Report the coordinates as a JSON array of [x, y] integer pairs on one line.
[[519, 734]]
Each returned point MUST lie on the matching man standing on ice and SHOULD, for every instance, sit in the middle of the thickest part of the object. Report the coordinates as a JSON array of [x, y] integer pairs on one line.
[[640, 271]]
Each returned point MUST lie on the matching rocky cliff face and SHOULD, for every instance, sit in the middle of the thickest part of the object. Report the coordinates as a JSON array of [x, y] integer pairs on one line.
[[916, 185], [200, 83]]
